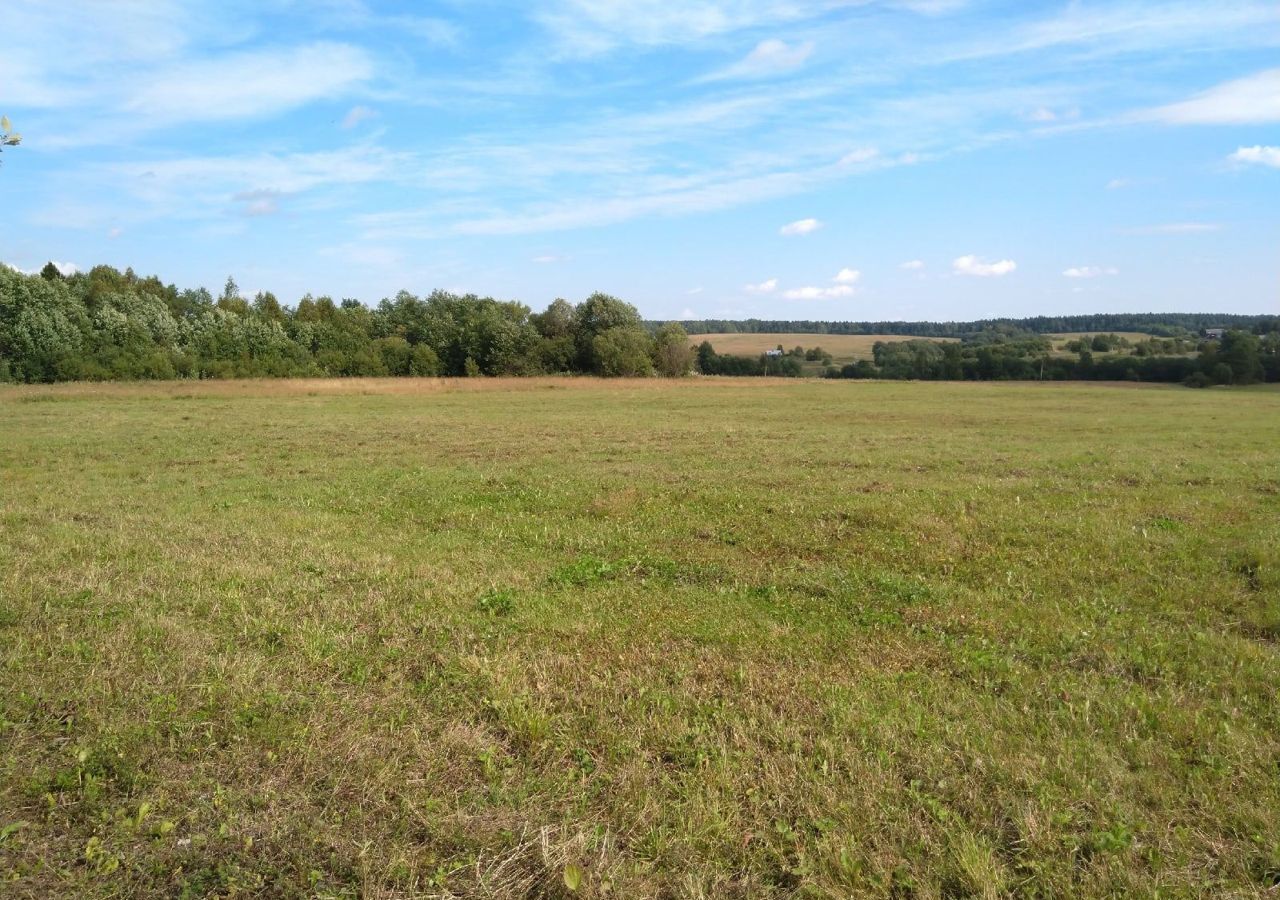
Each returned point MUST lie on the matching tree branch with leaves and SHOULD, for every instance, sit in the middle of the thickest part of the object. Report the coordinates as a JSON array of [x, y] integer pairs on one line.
[[8, 137]]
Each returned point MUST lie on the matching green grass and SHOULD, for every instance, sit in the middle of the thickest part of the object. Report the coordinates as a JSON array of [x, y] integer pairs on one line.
[[704, 639]]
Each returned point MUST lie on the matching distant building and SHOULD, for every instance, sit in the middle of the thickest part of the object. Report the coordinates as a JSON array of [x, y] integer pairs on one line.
[[1214, 334], [773, 353]]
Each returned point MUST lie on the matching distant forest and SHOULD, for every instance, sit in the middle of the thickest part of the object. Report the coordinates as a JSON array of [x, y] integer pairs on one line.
[[110, 325], [1158, 324]]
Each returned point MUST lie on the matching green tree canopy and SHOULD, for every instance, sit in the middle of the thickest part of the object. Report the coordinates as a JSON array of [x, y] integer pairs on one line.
[[623, 352]]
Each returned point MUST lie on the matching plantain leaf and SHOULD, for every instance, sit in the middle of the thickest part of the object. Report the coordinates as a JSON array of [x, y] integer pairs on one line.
[[573, 876]]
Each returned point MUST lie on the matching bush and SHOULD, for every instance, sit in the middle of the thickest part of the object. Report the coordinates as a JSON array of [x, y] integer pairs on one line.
[[623, 352], [423, 362], [671, 351]]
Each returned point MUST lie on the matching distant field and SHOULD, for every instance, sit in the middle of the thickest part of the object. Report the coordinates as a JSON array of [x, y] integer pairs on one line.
[[718, 638], [1062, 339], [842, 347]]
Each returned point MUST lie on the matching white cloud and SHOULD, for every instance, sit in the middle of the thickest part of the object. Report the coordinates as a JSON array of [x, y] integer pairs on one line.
[[1116, 184], [1090, 271], [687, 314], [286, 173], [1252, 100], [1111, 29], [912, 265], [819, 293], [195, 188], [847, 276], [971, 265], [1262, 156], [356, 115], [693, 292], [657, 196], [770, 57], [800, 227], [548, 258], [1177, 228], [932, 7], [250, 84], [66, 268], [586, 27], [764, 287], [260, 202], [861, 156], [114, 232], [1043, 115], [432, 30]]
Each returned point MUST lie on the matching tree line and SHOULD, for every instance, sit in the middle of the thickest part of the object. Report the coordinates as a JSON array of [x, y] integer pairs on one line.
[[1160, 324], [105, 324], [1238, 357]]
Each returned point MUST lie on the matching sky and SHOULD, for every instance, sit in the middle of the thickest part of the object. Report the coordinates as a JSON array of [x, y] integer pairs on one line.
[[789, 159]]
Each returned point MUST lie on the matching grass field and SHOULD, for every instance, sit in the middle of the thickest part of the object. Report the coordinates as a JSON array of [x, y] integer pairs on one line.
[[843, 348], [712, 638], [1060, 341]]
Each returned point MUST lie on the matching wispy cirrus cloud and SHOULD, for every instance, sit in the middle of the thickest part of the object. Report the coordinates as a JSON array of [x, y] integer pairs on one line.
[[258, 202], [204, 187], [585, 27], [1252, 100], [769, 57], [282, 173], [114, 72], [249, 84], [1176, 228], [356, 115], [1128, 26]]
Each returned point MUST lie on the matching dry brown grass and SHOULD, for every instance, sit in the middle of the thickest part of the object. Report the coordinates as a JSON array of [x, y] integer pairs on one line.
[[335, 387]]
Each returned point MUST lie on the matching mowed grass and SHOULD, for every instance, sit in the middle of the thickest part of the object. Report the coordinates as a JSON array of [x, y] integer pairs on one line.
[[842, 347], [711, 638]]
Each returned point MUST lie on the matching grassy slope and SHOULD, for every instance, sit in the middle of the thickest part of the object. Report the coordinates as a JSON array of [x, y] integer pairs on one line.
[[713, 638]]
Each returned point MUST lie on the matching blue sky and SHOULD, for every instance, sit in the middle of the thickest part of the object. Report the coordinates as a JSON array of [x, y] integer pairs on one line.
[[900, 159]]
